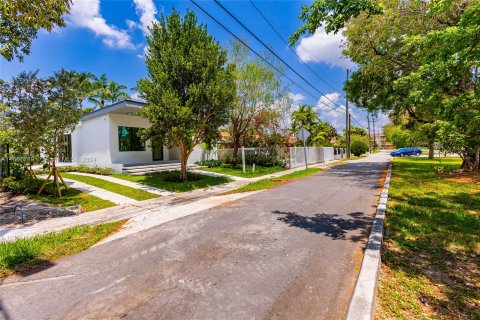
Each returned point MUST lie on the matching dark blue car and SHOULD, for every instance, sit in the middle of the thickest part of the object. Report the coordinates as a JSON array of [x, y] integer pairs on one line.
[[406, 152]]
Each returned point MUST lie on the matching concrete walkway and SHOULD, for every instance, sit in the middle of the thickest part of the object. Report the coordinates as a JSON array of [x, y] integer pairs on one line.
[[126, 183], [291, 252]]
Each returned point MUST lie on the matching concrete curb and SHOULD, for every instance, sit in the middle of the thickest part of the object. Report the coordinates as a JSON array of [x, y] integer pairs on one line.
[[362, 305]]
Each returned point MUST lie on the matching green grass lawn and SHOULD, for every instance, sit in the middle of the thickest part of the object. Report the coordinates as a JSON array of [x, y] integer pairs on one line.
[[25, 254], [113, 187], [431, 250], [272, 182], [73, 197], [170, 180], [238, 172]]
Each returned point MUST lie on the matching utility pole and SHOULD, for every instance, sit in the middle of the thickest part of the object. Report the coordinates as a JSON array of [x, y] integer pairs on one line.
[[369, 136], [374, 138], [347, 121]]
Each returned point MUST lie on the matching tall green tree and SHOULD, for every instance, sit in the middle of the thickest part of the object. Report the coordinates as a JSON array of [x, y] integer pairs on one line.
[[258, 88], [332, 14], [419, 61], [189, 89], [85, 86], [25, 99], [105, 91], [41, 111], [20, 21]]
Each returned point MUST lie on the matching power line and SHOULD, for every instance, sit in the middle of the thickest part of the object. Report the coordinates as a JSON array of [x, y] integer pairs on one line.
[[269, 63], [286, 43], [255, 52], [276, 55]]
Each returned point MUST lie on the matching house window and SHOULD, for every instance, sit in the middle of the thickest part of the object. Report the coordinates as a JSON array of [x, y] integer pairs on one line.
[[128, 139]]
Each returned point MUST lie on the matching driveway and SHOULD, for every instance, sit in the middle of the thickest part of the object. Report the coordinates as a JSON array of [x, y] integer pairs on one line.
[[292, 252]]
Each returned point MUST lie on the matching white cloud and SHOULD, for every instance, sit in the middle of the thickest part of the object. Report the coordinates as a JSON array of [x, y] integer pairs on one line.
[[131, 24], [295, 98], [323, 47], [86, 14], [136, 96], [325, 106], [146, 10], [145, 51]]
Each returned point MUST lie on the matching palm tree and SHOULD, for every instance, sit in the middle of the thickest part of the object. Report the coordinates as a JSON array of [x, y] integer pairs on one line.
[[305, 117], [117, 92], [101, 94], [85, 86], [107, 91]]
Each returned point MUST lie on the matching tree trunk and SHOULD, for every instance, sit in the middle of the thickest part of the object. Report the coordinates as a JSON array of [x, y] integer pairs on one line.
[[56, 188], [235, 155], [476, 163], [236, 146], [183, 163], [431, 149]]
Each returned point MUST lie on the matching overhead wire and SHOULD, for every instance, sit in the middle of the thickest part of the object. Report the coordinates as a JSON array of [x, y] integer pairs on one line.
[[288, 46]]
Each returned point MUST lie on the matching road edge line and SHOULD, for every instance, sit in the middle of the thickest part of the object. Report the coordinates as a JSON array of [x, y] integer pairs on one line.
[[362, 304]]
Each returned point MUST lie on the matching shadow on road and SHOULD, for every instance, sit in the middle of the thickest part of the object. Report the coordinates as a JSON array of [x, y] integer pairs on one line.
[[4, 313], [330, 225]]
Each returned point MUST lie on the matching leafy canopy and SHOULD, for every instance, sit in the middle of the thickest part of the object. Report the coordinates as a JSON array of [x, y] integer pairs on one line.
[[20, 21], [189, 89]]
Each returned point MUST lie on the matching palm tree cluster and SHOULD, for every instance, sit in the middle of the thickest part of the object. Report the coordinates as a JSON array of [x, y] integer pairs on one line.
[[99, 91], [321, 132]]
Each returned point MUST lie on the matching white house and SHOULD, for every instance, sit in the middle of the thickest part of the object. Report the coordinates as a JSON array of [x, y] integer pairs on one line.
[[108, 138]]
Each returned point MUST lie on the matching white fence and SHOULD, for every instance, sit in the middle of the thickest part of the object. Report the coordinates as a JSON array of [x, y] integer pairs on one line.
[[291, 157], [314, 155]]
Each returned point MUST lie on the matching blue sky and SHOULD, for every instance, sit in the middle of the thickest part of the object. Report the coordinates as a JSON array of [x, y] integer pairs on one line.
[[108, 36]]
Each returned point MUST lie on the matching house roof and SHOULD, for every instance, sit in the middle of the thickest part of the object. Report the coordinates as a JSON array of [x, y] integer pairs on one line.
[[127, 106]]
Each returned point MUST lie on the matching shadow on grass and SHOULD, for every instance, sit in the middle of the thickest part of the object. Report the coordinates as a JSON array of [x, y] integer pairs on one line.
[[431, 250], [331, 225]]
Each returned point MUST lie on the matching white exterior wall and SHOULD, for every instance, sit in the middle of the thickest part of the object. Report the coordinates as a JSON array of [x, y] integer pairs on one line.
[[95, 143], [90, 142], [122, 157]]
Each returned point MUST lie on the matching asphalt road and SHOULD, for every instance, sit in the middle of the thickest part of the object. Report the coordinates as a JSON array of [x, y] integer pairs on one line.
[[292, 252]]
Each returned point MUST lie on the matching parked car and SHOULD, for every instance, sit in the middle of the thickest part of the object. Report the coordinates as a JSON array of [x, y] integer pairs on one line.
[[406, 152]]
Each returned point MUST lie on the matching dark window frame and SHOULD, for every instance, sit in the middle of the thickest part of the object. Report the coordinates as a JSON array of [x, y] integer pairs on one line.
[[131, 141]]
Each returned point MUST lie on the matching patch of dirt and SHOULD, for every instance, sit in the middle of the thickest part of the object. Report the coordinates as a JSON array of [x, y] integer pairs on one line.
[[17, 210], [463, 176]]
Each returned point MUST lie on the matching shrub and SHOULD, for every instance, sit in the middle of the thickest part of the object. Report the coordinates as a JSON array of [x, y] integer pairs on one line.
[[210, 163], [263, 160], [86, 169], [358, 148], [21, 186], [17, 169]]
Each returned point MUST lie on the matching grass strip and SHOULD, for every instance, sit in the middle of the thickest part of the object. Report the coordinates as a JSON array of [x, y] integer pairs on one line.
[[170, 180], [272, 182], [126, 191], [238, 171], [23, 255], [73, 197], [431, 251]]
